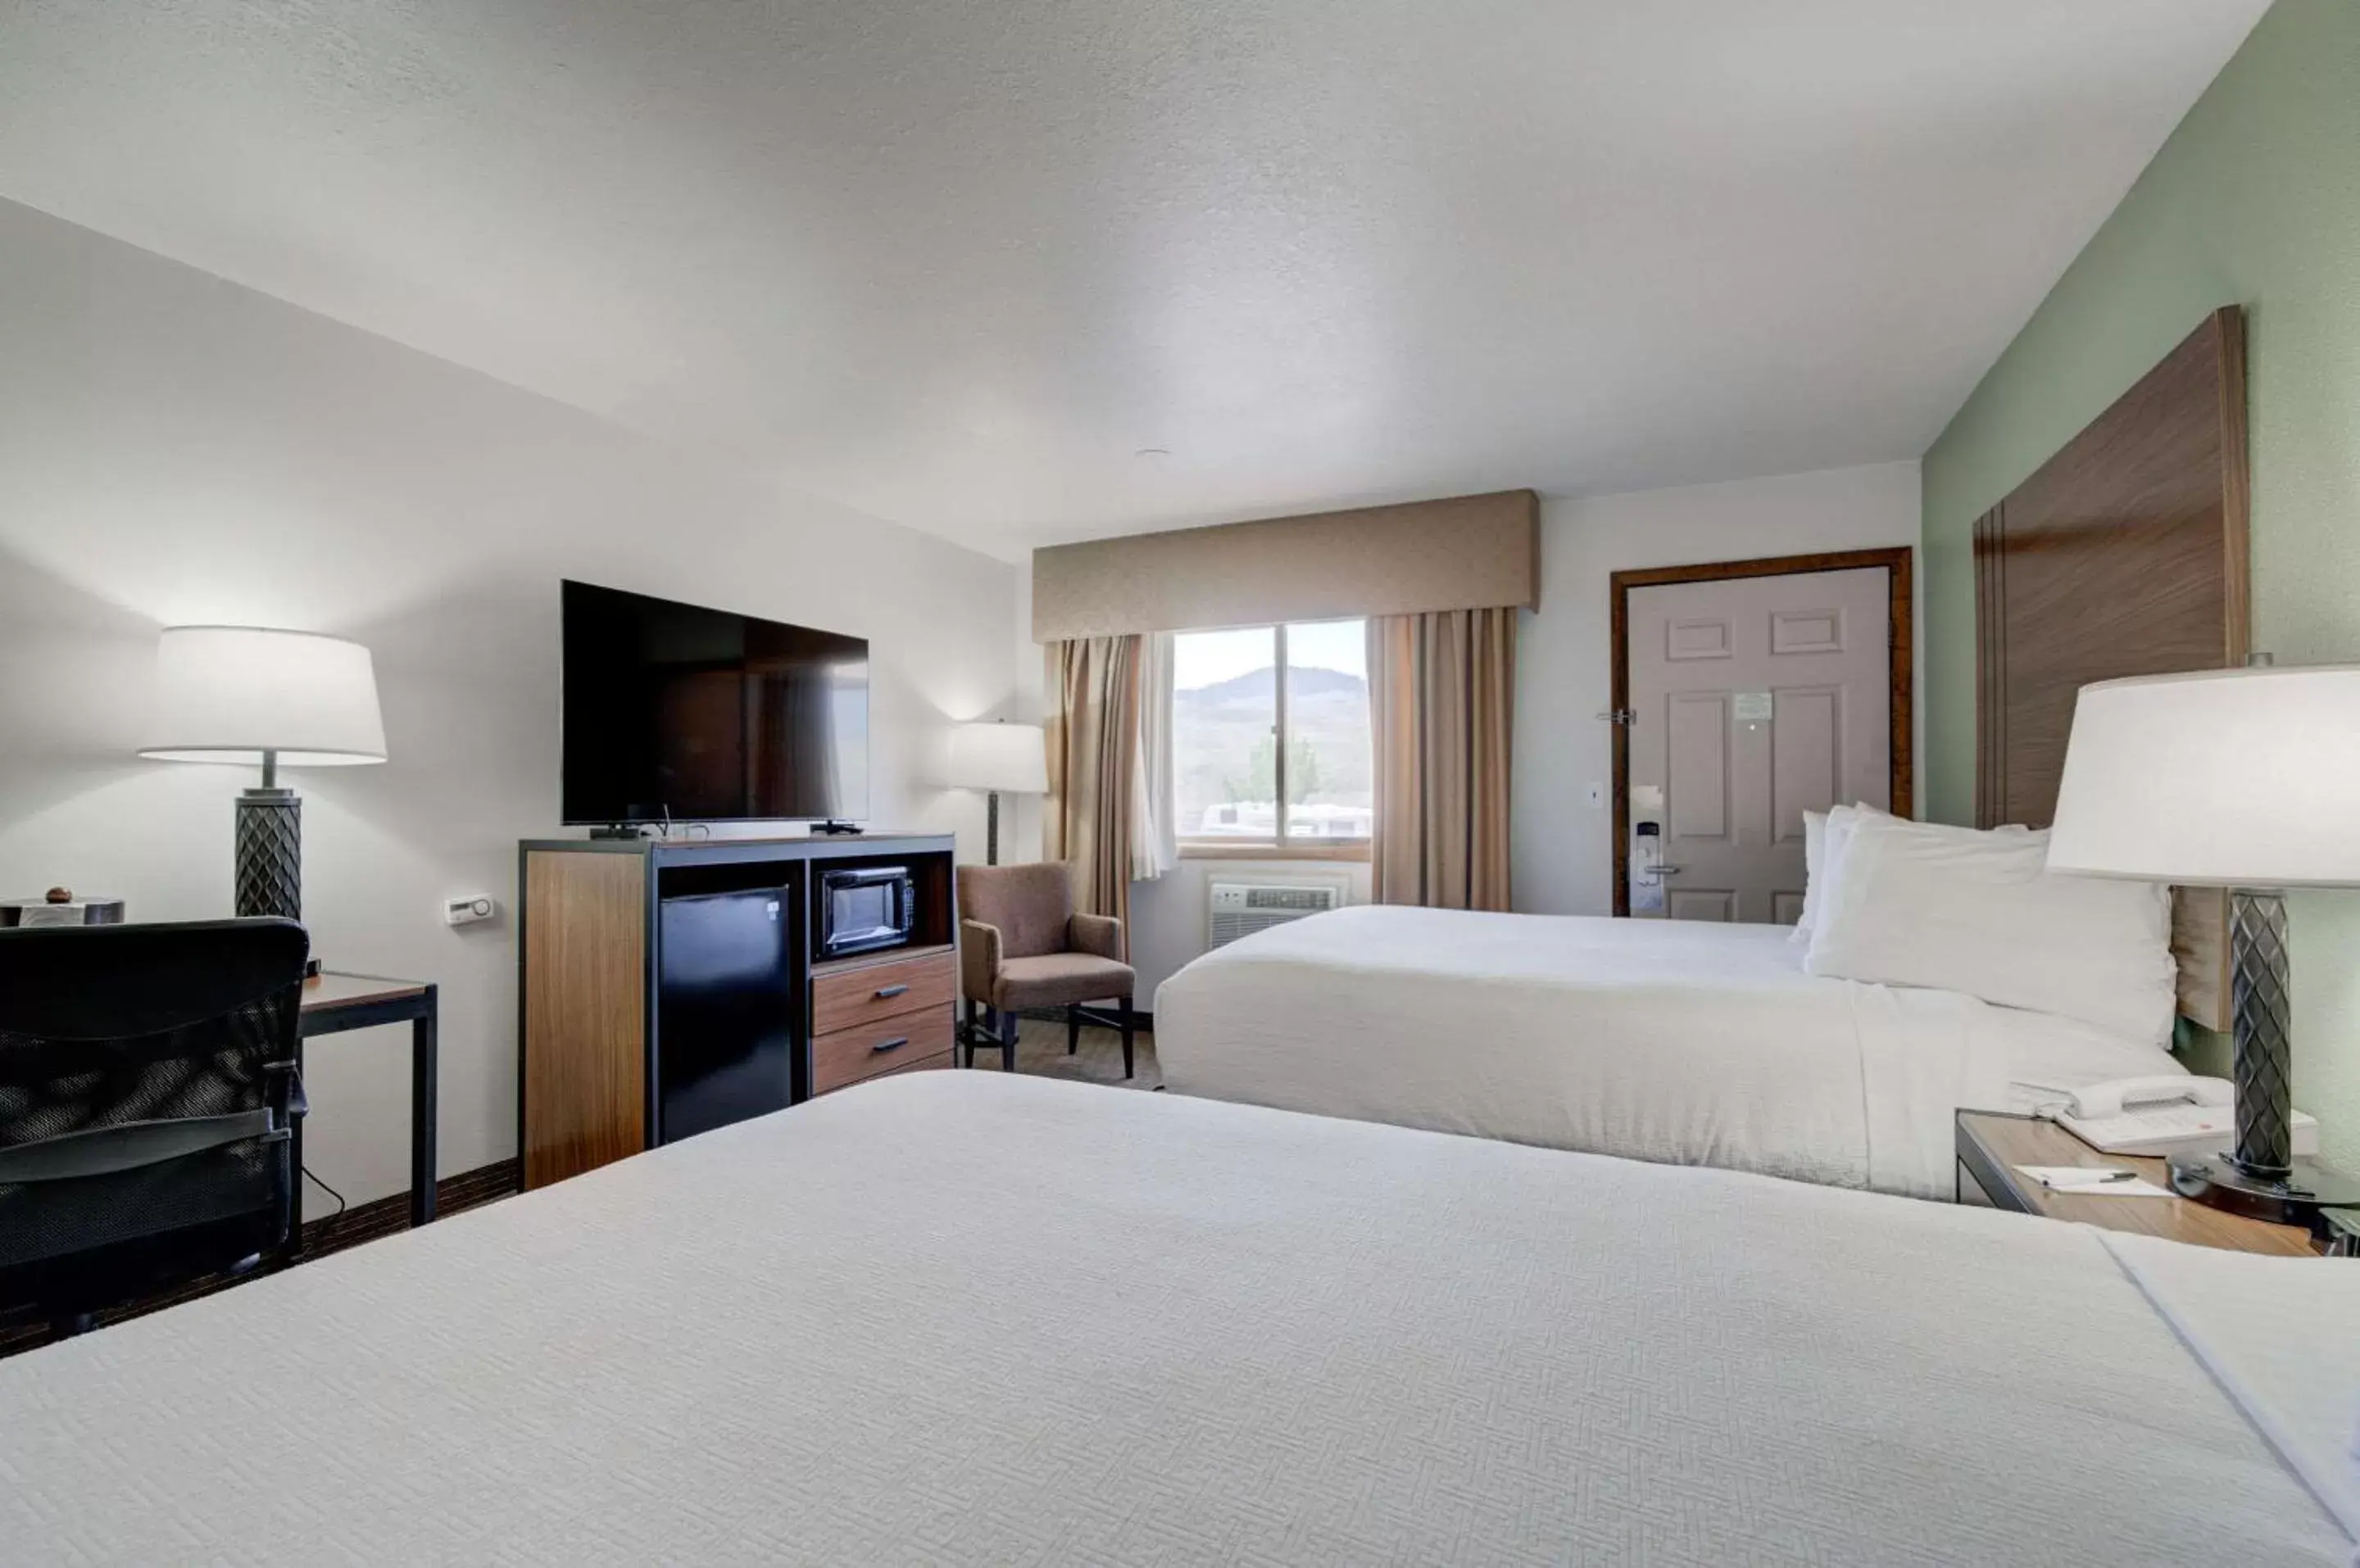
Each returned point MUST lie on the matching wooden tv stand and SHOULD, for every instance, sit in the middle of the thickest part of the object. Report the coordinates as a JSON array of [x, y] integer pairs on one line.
[[592, 1079]]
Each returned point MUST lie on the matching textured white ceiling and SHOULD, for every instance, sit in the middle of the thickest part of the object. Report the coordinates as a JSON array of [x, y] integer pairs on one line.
[[953, 262]]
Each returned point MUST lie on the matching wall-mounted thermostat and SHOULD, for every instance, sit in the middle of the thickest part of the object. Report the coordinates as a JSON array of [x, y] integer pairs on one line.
[[467, 911]]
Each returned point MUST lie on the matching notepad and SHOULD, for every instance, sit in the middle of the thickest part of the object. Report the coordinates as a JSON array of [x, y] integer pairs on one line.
[[2091, 1181]]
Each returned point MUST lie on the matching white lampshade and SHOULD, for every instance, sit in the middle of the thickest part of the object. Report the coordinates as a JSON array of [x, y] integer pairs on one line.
[[230, 693], [1009, 759], [2221, 777]]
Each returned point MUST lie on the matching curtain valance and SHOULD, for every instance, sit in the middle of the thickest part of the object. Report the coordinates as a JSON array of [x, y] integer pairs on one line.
[[1471, 552]]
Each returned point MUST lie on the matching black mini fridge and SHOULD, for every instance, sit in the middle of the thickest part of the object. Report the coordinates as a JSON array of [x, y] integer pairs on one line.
[[725, 1031]]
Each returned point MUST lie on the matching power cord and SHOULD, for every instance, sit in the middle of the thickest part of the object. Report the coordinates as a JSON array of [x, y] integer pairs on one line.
[[326, 1188]]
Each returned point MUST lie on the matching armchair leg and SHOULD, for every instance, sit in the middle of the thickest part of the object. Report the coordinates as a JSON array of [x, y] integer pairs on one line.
[[1073, 1028], [1008, 1040], [1128, 1027], [967, 1033]]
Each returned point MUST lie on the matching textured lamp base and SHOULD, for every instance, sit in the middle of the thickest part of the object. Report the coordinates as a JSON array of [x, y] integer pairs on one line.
[[2262, 1018], [2262, 1179], [2297, 1199], [270, 853]]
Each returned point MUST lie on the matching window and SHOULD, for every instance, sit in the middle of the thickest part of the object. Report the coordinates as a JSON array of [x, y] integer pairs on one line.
[[1267, 715]]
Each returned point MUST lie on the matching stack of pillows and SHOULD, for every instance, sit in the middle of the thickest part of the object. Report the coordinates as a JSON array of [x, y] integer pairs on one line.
[[1903, 903]]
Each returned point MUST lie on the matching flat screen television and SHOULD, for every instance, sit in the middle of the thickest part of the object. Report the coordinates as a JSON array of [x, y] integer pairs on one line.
[[673, 713]]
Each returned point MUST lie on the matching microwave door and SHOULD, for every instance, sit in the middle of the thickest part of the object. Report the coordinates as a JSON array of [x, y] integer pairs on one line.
[[865, 911]]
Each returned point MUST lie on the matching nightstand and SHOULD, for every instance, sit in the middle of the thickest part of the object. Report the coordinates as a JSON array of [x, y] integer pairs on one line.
[[1991, 1144], [2343, 1233]]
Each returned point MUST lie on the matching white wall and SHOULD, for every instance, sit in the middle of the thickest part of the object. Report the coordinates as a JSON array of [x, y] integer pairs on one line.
[[1019, 815], [174, 448], [1563, 847]]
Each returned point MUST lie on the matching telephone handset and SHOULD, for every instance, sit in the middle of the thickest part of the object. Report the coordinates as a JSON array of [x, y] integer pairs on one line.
[[2164, 1115]]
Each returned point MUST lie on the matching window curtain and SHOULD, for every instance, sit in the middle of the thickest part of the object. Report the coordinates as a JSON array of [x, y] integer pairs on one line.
[[1441, 703], [1093, 744], [1154, 823]]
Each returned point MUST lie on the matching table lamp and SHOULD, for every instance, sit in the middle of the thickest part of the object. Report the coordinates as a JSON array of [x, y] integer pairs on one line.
[[998, 759], [246, 694], [2243, 779]]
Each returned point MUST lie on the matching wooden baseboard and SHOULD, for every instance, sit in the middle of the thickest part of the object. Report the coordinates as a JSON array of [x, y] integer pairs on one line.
[[384, 1216], [331, 1233]]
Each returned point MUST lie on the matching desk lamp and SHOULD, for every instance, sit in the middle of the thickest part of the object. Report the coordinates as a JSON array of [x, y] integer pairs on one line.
[[2248, 779], [272, 699]]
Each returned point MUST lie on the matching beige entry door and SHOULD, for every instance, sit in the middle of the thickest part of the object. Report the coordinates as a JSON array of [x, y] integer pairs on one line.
[[1752, 699]]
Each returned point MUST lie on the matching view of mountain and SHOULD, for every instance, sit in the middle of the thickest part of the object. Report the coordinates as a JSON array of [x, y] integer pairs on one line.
[[1254, 685], [1227, 755]]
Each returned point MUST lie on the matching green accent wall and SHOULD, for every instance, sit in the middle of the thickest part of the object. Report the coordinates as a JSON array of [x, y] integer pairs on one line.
[[2254, 201]]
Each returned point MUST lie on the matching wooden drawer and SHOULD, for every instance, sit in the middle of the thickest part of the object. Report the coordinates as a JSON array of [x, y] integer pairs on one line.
[[851, 998], [848, 1056], [924, 1064]]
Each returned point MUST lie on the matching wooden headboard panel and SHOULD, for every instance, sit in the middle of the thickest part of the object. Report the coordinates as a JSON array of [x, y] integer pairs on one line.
[[2125, 555]]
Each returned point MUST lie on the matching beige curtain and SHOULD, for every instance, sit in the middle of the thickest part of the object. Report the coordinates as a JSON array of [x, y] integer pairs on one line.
[[1441, 700], [1093, 769]]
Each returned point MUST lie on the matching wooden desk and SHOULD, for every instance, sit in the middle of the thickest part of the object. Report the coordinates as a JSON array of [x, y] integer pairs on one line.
[[1991, 1144], [335, 1001]]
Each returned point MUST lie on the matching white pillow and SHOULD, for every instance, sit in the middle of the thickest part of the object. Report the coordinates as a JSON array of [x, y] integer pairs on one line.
[[1825, 833], [1815, 849], [1910, 904]]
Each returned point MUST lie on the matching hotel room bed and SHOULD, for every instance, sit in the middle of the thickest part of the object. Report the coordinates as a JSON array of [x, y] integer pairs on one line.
[[1687, 1042], [956, 1317]]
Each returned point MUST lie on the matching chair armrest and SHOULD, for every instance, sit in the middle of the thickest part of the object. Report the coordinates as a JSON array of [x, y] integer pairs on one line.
[[979, 959], [127, 1146], [1100, 935]]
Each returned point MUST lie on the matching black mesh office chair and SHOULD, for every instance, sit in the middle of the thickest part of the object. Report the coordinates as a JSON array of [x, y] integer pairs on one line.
[[147, 1100]]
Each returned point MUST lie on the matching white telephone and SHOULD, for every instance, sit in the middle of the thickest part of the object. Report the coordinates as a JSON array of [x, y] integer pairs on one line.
[[2164, 1115]]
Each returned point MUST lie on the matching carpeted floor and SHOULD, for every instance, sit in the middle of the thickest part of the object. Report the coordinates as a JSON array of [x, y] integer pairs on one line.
[[1040, 1050]]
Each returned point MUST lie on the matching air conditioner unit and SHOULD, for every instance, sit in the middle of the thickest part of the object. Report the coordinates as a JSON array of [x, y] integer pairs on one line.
[[1240, 908]]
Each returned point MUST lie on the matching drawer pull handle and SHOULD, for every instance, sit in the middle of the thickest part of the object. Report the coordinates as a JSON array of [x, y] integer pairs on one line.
[[887, 993], [881, 1047]]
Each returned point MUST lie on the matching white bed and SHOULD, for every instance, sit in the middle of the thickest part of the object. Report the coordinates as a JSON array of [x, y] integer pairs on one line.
[[954, 1317], [1683, 1042]]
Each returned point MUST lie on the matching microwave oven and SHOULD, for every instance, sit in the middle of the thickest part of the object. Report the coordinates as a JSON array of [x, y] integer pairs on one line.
[[862, 911]]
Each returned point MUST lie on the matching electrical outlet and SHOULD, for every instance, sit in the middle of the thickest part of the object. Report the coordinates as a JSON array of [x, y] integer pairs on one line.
[[470, 911]]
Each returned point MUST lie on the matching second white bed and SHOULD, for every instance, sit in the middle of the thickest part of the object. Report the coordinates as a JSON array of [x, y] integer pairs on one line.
[[1679, 1041]]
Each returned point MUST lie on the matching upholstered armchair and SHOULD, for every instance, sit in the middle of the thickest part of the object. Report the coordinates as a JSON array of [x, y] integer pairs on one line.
[[1022, 946]]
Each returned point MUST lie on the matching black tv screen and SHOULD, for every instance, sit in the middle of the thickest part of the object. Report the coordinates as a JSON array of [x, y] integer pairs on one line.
[[676, 713]]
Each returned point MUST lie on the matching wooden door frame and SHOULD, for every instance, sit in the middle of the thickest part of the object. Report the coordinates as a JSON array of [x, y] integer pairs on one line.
[[1900, 641]]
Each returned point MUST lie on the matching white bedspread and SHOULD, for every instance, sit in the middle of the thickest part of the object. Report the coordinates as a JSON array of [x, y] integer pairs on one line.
[[2284, 1336], [1679, 1041], [954, 1317]]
